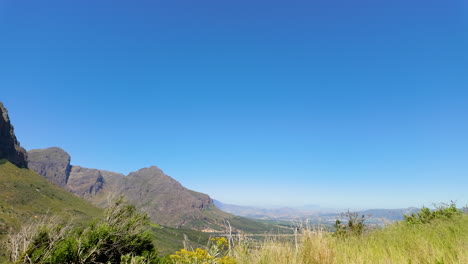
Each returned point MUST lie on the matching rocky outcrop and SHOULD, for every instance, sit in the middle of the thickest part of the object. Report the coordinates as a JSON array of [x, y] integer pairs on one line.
[[112, 179], [10, 148], [52, 163]]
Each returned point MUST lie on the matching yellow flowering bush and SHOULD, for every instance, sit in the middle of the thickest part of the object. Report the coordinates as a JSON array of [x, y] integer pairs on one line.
[[199, 256], [215, 255]]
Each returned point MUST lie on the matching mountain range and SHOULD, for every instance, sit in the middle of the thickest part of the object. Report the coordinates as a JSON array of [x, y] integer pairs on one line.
[[167, 202]]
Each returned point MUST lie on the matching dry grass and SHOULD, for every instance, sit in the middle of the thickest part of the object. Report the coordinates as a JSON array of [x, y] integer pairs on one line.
[[437, 242]]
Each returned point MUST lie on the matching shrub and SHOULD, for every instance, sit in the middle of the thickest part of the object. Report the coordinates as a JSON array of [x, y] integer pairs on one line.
[[426, 215], [216, 254], [354, 226], [121, 236]]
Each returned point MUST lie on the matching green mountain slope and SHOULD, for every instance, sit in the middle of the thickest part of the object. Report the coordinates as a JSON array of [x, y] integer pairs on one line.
[[25, 195]]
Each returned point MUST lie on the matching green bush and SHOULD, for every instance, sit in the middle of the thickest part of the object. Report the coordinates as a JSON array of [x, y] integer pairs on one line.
[[426, 215], [355, 224], [121, 236]]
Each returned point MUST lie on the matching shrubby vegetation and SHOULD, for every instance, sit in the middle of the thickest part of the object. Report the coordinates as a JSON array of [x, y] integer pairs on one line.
[[216, 254], [442, 212], [120, 236], [355, 224], [429, 236]]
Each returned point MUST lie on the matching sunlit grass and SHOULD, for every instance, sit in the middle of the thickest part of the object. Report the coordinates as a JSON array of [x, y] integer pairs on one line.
[[436, 242]]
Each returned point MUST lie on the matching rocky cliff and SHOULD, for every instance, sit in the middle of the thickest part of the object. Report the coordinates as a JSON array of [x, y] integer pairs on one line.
[[52, 163], [85, 182], [9, 146]]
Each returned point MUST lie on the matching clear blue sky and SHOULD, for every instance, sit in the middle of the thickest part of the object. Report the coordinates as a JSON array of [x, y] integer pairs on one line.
[[337, 103]]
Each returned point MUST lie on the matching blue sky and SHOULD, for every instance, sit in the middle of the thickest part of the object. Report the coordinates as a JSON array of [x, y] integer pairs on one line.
[[360, 104]]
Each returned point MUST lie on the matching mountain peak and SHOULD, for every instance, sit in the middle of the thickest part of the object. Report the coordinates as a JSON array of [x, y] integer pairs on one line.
[[154, 169], [10, 148]]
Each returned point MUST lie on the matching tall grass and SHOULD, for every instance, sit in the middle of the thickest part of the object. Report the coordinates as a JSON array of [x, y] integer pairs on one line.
[[435, 242]]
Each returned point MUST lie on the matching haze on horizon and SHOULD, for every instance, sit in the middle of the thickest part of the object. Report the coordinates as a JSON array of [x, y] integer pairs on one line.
[[359, 104]]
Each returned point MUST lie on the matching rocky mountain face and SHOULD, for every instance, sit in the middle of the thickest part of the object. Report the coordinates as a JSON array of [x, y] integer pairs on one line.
[[84, 181], [165, 200], [54, 164], [10, 148], [51, 163]]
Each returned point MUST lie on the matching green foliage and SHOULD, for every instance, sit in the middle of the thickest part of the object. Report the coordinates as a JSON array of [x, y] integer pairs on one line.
[[131, 259], [444, 241], [168, 240], [25, 195], [442, 212], [121, 236], [355, 224]]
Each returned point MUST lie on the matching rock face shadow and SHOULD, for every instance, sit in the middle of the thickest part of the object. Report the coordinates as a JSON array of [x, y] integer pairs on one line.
[[10, 148]]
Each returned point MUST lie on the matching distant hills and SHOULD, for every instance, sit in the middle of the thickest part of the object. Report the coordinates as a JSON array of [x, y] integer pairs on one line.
[[312, 214]]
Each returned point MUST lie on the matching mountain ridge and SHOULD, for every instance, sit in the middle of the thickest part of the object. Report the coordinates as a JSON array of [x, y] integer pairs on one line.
[[166, 200]]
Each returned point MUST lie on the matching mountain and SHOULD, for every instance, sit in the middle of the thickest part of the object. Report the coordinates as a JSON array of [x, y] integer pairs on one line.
[[165, 200], [26, 196], [52, 163], [162, 196], [10, 148]]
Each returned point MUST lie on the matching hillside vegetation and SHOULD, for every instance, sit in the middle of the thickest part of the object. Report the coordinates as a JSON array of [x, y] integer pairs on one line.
[[441, 240], [25, 196], [438, 236]]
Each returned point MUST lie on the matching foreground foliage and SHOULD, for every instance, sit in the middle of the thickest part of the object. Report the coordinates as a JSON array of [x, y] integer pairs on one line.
[[216, 254], [430, 236], [120, 236], [443, 239], [426, 215]]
